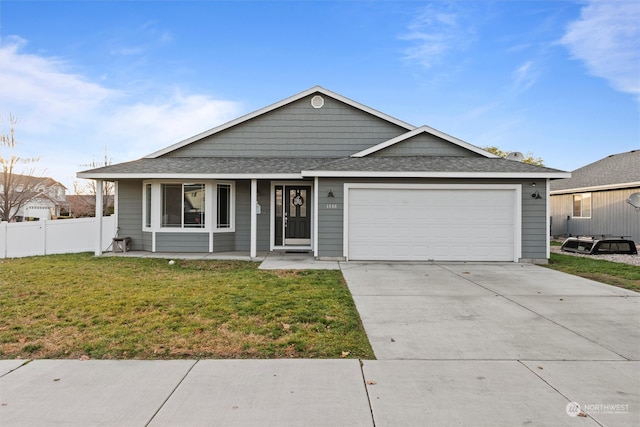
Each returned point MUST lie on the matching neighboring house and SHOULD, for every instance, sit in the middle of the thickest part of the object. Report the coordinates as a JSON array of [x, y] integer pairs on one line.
[[319, 172], [594, 201], [46, 198], [84, 205]]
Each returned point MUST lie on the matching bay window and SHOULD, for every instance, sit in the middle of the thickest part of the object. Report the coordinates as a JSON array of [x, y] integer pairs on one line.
[[183, 206]]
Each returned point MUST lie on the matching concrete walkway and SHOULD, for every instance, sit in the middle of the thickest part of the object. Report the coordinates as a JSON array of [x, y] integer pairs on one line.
[[457, 345]]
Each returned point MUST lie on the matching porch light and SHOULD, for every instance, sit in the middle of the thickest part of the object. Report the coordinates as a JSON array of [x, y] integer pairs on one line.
[[330, 193]]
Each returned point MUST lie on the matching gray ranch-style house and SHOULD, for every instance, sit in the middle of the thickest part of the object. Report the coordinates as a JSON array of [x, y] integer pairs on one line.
[[322, 173]]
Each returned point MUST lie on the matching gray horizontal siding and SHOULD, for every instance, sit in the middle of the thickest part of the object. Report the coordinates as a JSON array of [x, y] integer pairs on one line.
[[224, 242], [425, 145], [242, 240], [298, 130], [130, 212], [182, 242], [330, 220], [610, 215], [147, 241], [330, 228]]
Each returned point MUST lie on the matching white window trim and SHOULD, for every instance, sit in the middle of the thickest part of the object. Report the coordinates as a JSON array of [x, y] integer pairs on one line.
[[211, 211], [214, 207], [582, 196]]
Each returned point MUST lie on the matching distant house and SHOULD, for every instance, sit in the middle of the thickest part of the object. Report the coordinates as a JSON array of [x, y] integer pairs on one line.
[[46, 198], [84, 205], [319, 172], [594, 201]]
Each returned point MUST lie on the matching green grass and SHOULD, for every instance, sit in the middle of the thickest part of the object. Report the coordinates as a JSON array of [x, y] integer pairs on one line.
[[613, 273], [68, 306]]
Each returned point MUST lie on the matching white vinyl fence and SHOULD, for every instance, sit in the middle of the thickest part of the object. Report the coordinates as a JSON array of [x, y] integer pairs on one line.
[[62, 236]]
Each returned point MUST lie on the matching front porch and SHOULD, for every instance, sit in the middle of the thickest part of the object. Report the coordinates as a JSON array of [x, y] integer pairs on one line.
[[276, 260]]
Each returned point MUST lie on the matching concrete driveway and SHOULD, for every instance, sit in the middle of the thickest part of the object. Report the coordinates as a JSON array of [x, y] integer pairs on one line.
[[499, 344]]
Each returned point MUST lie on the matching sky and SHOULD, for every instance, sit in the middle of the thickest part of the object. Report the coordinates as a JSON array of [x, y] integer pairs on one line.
[[117, 80]]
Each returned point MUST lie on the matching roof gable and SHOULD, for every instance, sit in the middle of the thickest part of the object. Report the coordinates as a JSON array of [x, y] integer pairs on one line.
[[292, 121], [424, 141], [615, 171]]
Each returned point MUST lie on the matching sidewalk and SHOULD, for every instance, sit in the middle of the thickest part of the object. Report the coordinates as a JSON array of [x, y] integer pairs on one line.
[[310, 393], [184, 393]]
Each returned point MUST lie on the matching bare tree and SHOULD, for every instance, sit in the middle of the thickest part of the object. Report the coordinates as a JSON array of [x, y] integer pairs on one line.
[[89, 187], [17, 183]]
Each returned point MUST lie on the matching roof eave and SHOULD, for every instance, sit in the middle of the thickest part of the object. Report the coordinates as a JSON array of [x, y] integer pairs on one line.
[[434, 174], [182, 176], [596, 188]]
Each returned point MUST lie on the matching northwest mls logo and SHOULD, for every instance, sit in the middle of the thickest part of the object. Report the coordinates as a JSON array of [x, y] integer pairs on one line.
[[576, 410], [573, 409]]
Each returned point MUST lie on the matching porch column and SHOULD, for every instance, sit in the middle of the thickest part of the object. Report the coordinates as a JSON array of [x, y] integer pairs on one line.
[[254, 218], [99, 207], [316, 209]]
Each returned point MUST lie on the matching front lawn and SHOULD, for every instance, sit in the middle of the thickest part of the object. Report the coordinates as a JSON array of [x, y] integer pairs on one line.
[[70, 306], [613, 273]]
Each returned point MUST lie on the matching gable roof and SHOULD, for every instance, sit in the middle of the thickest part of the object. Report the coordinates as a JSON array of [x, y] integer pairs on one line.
[[291, 99], [243, 162], [615, 171], [417, 131]]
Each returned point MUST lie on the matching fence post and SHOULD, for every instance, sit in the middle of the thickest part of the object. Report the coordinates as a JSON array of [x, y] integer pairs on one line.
[[3, 239], [43, 227]]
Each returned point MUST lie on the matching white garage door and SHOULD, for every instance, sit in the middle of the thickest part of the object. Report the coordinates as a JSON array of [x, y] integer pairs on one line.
[[441, 224]]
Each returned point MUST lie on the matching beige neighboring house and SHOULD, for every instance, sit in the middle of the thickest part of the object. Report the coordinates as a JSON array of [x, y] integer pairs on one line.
[[48, 199], [597, 199]]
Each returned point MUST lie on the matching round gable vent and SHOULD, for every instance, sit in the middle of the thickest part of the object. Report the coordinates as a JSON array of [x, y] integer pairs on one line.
[[317, 101]]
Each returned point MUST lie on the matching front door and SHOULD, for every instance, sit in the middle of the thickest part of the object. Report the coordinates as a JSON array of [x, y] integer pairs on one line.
[[293, 215]]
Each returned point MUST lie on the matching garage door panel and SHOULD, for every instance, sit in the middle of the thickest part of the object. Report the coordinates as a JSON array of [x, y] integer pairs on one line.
[[427, 224]]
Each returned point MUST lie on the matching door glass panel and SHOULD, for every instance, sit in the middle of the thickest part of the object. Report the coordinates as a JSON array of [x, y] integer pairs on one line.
[[303, 206], [279, 202], [292, 206]]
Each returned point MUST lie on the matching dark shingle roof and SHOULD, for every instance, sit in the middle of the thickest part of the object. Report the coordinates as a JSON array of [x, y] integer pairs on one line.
[[210, 165], [431, 164], [370, 165], [613, 171]]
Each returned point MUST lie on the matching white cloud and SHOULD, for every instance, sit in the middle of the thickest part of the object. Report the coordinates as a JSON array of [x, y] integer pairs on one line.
[[435, 32], [525, 76], [66, 118], [43, 92], [607, 38]]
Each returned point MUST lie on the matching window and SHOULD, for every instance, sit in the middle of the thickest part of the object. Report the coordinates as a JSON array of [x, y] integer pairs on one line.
[[182, 205], [224, 206], [147, 205], [582, 205]]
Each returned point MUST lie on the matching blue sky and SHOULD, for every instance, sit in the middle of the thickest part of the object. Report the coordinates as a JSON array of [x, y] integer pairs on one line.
[[559, 79]]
